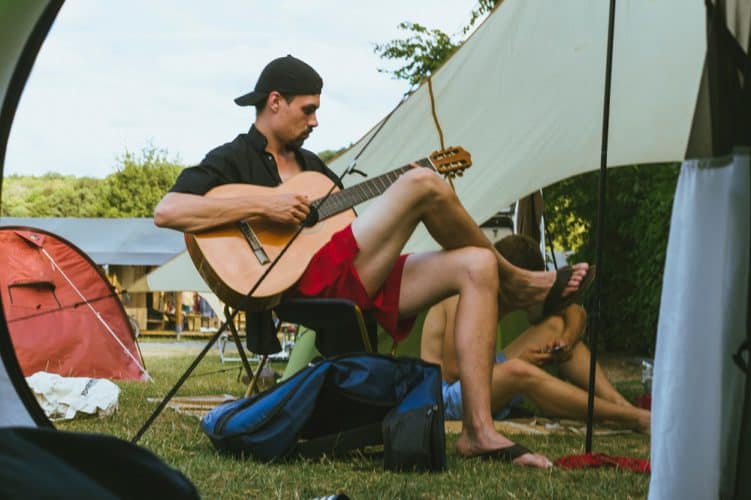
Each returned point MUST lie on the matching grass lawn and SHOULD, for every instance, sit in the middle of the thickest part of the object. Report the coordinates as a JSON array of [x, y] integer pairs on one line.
[[178, 440]]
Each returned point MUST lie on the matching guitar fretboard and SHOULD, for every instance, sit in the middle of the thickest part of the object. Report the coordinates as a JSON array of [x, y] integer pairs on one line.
[[354, 195]]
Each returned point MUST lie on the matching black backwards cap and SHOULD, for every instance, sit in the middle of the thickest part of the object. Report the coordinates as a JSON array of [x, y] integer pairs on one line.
[[288, 76]]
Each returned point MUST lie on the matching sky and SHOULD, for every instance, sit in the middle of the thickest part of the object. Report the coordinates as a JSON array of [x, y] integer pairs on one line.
[[125, 75]]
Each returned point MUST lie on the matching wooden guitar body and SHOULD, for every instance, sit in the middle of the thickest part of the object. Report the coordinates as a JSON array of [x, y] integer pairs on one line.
[[233, 258], [225, 259]]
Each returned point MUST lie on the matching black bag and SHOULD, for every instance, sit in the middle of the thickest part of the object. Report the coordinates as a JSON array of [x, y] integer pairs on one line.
[[338, 405], [415, 440]]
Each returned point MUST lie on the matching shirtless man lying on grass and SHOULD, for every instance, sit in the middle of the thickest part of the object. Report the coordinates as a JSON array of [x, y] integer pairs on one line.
[[517, 371]]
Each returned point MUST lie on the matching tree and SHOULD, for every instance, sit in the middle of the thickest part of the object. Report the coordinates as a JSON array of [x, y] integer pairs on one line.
[[424, 50], [138, 184], [51, 195], [76, 197], [639, 205], [329, 154], [133, 190]]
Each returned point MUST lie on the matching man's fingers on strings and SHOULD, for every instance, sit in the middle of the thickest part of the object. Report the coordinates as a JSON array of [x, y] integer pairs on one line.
[[302, 199], [300, 215]]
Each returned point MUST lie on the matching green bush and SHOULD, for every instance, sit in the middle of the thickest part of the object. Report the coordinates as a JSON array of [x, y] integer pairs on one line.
[[133, 190], [138, 184], [637, 220]]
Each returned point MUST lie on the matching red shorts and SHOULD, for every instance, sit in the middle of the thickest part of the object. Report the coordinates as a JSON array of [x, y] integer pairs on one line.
[[331, 273]]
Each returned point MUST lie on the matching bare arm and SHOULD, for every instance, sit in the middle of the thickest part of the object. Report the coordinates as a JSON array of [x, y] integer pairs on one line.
[[574, 322], [550, 340], [192, 213]]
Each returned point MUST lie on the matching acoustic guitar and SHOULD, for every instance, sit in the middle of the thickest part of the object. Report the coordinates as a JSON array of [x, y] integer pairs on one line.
[[233, 257]]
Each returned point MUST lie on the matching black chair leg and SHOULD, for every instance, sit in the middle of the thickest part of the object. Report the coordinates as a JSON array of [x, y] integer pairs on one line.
[[254, 378], [238, 342]]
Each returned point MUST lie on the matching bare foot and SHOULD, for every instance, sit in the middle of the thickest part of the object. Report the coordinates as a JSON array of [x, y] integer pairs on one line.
[[644, 420], [522, 289], [621, 401], [469, 448]]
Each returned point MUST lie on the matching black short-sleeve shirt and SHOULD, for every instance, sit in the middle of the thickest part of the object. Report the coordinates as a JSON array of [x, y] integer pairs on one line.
[[244, 160]]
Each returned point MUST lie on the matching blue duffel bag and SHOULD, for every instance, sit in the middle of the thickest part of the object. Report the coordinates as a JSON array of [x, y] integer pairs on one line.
[[338, 405]]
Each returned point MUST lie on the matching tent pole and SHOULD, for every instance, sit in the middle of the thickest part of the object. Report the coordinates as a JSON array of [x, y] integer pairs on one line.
[[594, 318], [181, 381]]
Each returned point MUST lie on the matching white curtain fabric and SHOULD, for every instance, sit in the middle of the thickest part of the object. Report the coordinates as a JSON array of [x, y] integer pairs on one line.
[[12, 410], [698, 390]]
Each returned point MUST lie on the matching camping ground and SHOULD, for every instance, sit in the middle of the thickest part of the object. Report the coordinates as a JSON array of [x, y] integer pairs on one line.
[[178, 440]]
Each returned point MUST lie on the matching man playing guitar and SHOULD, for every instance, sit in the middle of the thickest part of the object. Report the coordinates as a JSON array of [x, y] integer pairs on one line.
[[363, 262]]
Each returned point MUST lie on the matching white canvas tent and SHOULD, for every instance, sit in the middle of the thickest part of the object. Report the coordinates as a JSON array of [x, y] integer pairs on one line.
[[524, 95], [177, 274]]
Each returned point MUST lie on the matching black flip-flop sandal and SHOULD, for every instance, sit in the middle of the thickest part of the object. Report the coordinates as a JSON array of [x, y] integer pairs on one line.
[[554, 301], [507, 454]]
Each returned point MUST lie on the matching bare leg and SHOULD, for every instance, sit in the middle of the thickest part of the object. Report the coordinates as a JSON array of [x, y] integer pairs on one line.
[[576, 369], [556, 397], [535, 337], [472, 273], [422, 196]]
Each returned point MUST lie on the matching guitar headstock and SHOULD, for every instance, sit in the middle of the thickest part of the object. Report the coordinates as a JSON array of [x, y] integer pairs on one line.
[[451, 162]]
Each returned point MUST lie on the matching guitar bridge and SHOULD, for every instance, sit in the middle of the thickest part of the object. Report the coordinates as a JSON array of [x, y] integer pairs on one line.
[[252, 240]]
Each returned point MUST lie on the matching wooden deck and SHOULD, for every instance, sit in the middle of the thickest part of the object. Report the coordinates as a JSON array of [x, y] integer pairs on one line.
[[187, 334]]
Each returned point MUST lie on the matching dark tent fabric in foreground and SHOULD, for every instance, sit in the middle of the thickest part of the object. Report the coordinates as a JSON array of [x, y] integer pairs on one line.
[[63, 315], [44, 463]]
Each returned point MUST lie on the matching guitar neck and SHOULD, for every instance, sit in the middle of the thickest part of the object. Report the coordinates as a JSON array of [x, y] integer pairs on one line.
[[354, 195]]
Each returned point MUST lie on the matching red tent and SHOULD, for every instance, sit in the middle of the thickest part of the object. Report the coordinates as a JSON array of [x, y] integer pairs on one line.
[[63, 315]]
